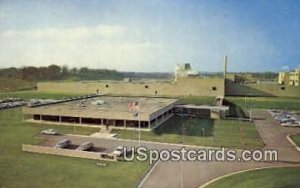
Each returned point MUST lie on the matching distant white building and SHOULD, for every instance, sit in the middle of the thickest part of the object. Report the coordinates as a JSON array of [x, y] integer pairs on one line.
[[289, 78], [184, 70]]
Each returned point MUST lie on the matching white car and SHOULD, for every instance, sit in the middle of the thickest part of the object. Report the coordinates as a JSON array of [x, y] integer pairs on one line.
[[50, 132], [288, 124], [118, 151]]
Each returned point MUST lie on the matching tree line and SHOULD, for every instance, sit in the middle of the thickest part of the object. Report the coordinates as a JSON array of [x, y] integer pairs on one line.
[[55, 72]]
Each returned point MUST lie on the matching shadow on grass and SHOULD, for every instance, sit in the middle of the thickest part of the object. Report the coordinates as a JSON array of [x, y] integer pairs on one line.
[[187, 126], [234, 110]]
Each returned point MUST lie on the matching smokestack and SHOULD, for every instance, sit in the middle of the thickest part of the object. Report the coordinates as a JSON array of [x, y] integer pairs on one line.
[[225, 65]]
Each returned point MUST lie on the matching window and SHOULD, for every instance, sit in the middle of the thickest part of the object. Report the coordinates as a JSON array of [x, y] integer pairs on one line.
[[107, 86], [146, 86], [282, 88], [214, 88]]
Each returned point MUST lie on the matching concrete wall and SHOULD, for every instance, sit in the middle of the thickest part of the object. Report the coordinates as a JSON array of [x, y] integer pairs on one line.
[[183, 87], [268, 90], [66, 152]]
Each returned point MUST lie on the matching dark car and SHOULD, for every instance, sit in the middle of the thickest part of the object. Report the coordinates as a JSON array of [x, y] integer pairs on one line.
[[63, 143]]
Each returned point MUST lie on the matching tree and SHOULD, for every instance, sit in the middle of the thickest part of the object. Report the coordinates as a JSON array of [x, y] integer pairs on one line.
[[54, 72]]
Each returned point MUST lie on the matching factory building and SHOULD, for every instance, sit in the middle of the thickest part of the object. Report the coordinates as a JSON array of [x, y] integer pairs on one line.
[[105, 110]]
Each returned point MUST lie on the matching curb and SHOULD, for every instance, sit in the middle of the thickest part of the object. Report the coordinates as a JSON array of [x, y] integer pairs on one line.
[[149, 142], [169, 144], [241, 171], [292, 142], [141, 183], [160, 143]]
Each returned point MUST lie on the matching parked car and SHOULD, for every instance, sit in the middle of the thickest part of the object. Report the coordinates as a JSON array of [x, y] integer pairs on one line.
[[63, 143], [284, 120], [50, 132], [290, 124], [118, 151], [85, 146]]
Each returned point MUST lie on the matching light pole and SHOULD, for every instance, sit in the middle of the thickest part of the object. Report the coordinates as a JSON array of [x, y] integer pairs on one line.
[[183, 130], [245, 105], [139, 124]]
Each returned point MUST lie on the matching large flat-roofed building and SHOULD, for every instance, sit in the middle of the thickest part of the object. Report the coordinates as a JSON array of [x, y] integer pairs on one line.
[[105, 110], [186, 82]]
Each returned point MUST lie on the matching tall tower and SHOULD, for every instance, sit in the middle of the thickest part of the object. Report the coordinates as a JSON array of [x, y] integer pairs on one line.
[[225, 66]]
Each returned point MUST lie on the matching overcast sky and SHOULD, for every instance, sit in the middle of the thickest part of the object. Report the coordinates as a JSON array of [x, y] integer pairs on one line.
[[150, 35]]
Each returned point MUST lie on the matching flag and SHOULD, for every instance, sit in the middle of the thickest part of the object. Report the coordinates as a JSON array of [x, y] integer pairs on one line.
[[133, 106]]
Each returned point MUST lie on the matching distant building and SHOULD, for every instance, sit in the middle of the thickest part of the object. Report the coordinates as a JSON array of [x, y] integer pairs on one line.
[[240, 78], [289, 78], [184, 70], [294, 77], [283, 78]]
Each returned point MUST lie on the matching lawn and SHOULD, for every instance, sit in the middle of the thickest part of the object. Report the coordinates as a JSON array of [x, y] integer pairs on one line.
[[267, 178], [266, 102], [14, 84], [31, 94], [202, 132], [198, 100], [21, 169], [296, 139]]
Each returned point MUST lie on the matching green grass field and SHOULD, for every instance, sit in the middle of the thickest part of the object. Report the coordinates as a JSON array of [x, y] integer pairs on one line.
[[202, 132], [267, 178], [266, 102], [32, 94], [21, 169], [14, 84], [198, 100], [296, 139]]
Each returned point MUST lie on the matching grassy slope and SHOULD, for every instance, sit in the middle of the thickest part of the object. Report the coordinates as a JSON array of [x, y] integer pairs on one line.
[[228, 133], [266, 102], [267, 178], [13, 84], [198, 100], [20, 169], [296, 139]]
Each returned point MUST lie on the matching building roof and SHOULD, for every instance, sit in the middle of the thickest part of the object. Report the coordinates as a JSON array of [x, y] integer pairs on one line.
[[107, 107]]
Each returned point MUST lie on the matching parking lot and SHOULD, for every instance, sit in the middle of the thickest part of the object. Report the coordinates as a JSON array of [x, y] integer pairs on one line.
[[11, 103], [76, 141], [17, 102], [286, 118]]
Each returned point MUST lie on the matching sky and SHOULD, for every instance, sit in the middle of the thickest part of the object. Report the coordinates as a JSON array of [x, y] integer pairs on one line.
[[151, 35]]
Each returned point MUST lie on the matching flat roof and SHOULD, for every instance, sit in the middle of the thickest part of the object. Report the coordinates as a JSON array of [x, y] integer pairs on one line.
[[106, 107]]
